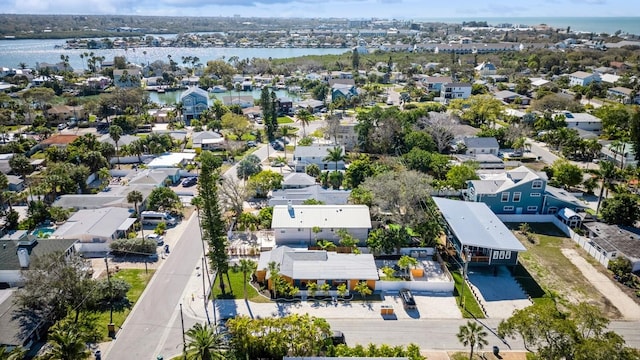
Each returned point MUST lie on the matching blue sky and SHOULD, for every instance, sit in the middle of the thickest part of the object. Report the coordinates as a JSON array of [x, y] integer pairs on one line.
[[406, 9]]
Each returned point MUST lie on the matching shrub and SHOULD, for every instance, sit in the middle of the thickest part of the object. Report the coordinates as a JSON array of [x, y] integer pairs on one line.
[[133, 247]]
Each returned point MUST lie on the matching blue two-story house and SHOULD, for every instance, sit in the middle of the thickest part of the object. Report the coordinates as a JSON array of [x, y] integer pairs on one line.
[[343, 91], [520, 191], [194, 102]]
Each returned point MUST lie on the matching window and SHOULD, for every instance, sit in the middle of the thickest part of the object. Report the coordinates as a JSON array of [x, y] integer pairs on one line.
[[505, 196], [534, 194], [553, 210], [517, 196], [537, 184], [507, 208], [532, 208]]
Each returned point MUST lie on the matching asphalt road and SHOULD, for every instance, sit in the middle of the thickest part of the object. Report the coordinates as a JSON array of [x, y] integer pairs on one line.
[[441, 334], [155, 319]]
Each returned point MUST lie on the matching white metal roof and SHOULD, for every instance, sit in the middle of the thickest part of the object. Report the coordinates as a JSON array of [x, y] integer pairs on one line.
[[324, 216], [474, 224]]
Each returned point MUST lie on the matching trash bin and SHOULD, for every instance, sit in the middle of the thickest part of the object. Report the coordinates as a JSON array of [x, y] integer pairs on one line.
[[496, 350]]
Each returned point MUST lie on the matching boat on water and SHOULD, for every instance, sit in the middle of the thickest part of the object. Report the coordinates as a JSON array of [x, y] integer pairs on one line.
[[160, 90], [218, 89]]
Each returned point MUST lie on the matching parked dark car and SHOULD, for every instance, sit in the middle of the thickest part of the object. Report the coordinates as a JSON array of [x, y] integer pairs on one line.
[[251, 143], [338, 338], [277, 145], [407, 299], [190, 181]]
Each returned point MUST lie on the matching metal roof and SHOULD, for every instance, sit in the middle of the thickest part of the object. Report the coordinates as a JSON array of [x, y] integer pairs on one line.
[[474, 224], [324, 216]]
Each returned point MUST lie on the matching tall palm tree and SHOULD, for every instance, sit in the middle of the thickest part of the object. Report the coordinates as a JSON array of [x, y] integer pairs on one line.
[[247, 267], [115, 133], [204, 343], [336, 155], [305, 117], [607, 173], [286, 132], [67, 344], [136, 198], [471, 335], [281, 160]]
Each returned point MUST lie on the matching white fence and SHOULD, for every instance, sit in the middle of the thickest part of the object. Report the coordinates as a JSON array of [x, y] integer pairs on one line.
[[583, 241], [416, 286]]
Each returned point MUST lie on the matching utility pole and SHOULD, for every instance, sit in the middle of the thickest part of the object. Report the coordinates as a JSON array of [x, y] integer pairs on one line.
[[111, 327], [184, 341], [204, 293]]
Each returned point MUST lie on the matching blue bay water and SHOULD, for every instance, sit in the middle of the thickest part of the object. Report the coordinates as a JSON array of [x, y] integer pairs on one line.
[[596, 25], [30, 52]]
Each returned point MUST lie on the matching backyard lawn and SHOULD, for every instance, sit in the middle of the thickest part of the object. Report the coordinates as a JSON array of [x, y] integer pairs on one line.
[[285, 120], [555, 274], [138, 280]]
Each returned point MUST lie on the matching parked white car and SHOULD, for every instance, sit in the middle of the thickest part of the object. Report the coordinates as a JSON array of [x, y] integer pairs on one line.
[[158, 238]]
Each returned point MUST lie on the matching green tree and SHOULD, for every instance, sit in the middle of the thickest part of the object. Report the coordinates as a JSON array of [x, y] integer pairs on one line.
[[115, 133], [622, 209], [312, 170], [265, 181], [458, 175], [355, 59], [335, 154], [305, 118], [212, 224], [67, 343], [54, 285], [479, 109], [247, 267], [136, 198], [205, 344], [163, 199], [248, 167], [607, 172], [358, 170], [406, 262], [472, 335], [567, 174], [16, 353]]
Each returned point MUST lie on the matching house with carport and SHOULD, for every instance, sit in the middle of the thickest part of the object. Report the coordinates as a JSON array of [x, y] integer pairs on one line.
[[301, 267], [303, 225], [95, 229], [476, 234]]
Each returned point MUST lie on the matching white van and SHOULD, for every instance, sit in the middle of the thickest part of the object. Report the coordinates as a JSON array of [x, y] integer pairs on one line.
[[155, 217]]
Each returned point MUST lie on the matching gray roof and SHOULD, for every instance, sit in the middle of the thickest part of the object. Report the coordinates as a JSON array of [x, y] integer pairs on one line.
[[10, 330], [102, 222], [115, 197], [563, 196], [505, 94], [474, 224], [40, 247], [492, 183], [298, 179], [616, 238], [298, 196], [320, 264], [197, 137], [196, 91], [481, 142], [319, 151], [124, 139]]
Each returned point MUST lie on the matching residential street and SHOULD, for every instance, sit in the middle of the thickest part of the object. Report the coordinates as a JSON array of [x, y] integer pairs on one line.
[[155, 319]]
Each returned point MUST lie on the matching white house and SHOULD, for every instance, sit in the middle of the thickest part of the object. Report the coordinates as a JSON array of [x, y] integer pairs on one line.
[[583, 78], [304, 156], [451, 91], [298, 196], [486, 68], [582, 121], [622, 156], [95, 229], [624, 95], [294, 224], [481, 145], [208, 140]]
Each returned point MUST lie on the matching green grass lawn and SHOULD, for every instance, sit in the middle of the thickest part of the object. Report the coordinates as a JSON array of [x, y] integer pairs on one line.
[[285, 120], [237, 289], [138, 280], [471, 305]]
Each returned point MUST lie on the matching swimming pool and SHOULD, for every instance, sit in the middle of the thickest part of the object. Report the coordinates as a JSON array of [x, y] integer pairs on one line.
[[43, 232]]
